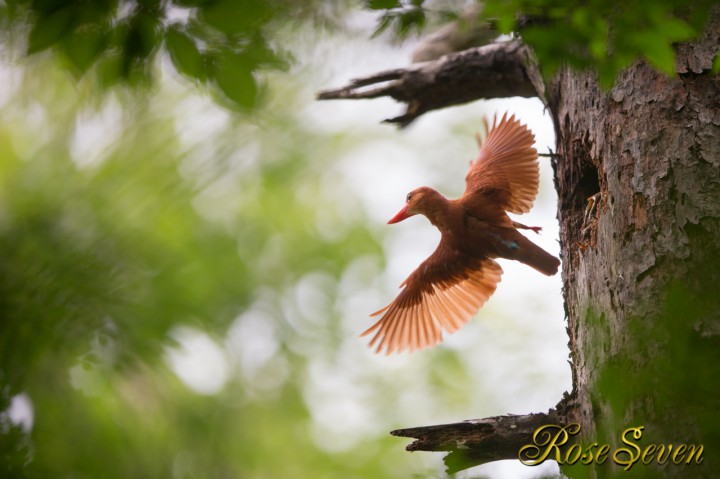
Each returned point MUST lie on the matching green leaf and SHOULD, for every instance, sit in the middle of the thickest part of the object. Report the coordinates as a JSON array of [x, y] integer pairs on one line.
[[716, 63], [45, 7], [677, 30], [49, 29], [152, 6], [505, 23], [662, 56], [650, 44], [234, 77], [382, 4], [555, 47], [192, 3], [142, 36], [504, 15], [110, 69], [606, 75], [598, 47], [237, 17], [413, 18], [85, 46], [184, 53], [258, 53], [385, 21]]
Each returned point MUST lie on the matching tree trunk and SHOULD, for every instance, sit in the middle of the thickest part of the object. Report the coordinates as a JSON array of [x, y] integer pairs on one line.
[[641, 269]]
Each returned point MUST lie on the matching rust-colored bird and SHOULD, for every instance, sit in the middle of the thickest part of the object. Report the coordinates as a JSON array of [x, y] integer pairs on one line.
[[450, 286]]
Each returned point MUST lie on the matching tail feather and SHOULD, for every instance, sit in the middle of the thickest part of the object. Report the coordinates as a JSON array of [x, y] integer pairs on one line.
[[534, 256]]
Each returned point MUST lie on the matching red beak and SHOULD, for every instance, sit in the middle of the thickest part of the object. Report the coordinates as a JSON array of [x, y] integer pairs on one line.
[[401, 215]]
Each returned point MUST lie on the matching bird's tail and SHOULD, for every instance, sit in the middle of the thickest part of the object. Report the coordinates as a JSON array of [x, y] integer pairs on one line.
[[536, 257]]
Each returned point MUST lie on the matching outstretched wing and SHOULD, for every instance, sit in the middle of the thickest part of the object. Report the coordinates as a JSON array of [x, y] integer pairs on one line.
[[443, 293], [506, 172]]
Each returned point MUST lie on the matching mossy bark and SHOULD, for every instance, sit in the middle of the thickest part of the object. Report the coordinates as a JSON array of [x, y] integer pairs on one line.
[[641, 268]]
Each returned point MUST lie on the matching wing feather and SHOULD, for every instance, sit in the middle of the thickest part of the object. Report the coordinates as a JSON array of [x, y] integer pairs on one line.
[[444, 293], [506, 171]]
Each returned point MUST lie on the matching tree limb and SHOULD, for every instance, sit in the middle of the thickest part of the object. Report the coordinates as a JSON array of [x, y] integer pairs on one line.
[[497, 70], [478, 441]]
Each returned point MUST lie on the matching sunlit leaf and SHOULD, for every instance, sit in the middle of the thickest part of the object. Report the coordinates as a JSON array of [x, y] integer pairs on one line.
[[505, 23], [503, 15], [661, 55], [598, 47], [676, 29]]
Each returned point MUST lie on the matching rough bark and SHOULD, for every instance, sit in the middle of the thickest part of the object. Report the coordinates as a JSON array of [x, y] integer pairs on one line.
[[641, 270], [641, 259], [497, 70]]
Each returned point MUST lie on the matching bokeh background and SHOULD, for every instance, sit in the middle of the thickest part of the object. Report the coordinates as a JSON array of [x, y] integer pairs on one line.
[[182, 285]]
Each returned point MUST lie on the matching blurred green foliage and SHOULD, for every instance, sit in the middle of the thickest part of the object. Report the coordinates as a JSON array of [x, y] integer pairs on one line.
[[402, 17], [225, 45], [604, 35], [222, 44], [129, 224], [102, 260], [125, 218]]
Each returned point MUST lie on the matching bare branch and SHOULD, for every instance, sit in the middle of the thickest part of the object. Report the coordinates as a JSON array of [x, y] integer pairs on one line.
[[497, 70], [478, 441]]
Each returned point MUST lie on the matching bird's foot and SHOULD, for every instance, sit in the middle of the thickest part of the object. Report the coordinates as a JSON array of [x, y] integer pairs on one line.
[[536, 229]]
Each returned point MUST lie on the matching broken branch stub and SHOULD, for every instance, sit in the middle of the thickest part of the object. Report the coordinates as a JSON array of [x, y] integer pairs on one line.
[[498, 70], [478, 441]]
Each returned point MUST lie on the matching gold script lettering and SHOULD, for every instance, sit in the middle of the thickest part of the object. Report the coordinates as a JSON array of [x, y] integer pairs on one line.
[[550, 437], [691, 452], [647, 455], [631, 458], [661, 450], [679, 452], [602, 454]]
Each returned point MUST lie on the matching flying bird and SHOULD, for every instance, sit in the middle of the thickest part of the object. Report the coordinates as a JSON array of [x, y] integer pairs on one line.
[[451, 285]]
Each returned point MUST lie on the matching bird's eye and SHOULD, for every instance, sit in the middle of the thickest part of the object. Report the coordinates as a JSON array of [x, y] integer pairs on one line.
[[409, 197]]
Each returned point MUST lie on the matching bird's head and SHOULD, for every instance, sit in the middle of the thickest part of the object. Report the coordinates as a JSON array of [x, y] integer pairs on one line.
[[419, 200]]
